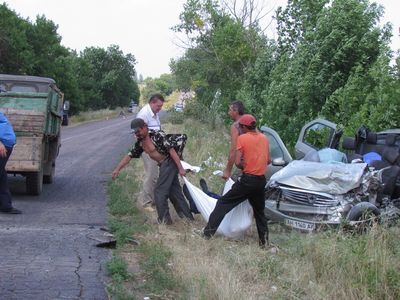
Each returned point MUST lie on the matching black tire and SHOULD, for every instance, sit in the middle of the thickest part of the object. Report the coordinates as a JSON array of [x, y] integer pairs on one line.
[[34, 183], [47, 179], [364, 211], [65, 121]]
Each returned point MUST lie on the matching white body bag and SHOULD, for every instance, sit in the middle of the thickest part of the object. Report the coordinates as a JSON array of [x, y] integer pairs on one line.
[[235, 223]]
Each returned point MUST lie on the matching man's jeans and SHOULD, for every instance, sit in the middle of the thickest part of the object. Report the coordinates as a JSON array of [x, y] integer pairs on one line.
[[5, 195], [168, 186], [247, 187]]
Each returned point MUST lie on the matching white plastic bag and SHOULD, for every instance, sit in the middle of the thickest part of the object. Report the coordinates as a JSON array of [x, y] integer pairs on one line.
[[235, 223]]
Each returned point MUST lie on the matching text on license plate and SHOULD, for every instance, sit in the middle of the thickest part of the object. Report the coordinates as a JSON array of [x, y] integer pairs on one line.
[[300, 225]]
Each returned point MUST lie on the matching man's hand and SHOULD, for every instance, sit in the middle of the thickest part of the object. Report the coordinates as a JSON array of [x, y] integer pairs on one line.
[[3, 150], [182, 172], [226, 174], [124, 161], [114, 174]]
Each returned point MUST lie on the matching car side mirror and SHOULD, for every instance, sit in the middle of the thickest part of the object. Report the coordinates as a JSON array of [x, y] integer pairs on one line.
[[279, 162], [66, 105]]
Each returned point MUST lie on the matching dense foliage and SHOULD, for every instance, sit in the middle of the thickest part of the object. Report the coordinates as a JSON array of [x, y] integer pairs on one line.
[[96, 78], [330, 59], [222, 48], [165, 85]]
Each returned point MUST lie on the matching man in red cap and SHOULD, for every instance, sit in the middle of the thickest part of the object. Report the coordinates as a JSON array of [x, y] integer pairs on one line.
[[252, 156]]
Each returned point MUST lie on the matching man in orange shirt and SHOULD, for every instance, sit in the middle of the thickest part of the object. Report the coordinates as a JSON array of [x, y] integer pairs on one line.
[[252, 156]]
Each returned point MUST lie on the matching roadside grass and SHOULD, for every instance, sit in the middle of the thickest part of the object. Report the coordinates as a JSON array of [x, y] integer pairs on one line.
[[129, 225], [171, 262], [97, 115]]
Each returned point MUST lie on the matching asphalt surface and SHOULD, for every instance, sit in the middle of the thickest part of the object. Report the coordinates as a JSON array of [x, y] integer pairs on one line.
[[49, 251]]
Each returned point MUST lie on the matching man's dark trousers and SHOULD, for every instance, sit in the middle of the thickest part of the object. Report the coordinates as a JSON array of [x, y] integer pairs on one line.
[[5, 195], [247, 187], [168, 186]]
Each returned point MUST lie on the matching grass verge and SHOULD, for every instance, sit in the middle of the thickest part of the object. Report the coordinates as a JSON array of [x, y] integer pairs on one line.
[[139, 266]]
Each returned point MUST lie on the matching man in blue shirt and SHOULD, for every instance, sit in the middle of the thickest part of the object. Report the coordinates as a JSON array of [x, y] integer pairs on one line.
[[7, 142]]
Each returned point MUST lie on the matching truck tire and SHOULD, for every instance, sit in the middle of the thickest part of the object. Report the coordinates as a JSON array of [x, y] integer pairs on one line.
[[47, 179], [65, 121], [49, 168], [34, 183]]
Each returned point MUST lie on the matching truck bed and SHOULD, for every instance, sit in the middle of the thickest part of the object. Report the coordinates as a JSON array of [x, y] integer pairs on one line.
[[28, 126], [25, 122]]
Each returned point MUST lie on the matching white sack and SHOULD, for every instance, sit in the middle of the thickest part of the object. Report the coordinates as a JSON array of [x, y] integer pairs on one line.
[[235, 223]]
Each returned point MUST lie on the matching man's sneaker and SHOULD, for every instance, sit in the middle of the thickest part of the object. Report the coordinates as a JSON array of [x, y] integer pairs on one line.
[[149, 208], [11, 210], [166, 221], [204, 186], [200, 233], [188, 217]]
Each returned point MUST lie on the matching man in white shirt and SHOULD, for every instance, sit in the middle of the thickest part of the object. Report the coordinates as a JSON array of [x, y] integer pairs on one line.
[[149, 113]]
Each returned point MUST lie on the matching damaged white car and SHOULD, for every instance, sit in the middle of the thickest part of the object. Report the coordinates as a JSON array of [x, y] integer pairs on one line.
[[327, 187]]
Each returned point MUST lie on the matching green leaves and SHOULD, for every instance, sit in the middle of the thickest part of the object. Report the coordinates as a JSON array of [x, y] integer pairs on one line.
[[325, 54], [221, 50], [109, 76]]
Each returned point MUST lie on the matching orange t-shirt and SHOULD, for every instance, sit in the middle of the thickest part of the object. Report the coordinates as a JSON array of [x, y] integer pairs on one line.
[[254, 147]]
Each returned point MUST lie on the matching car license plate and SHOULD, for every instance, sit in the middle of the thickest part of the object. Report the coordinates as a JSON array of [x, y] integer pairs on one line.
[[300, 225]]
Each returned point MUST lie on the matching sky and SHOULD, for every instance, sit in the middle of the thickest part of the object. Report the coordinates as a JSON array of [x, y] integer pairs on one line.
[[139, 27]]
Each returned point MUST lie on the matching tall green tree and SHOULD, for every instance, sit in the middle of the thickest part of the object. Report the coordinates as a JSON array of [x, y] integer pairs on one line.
[[369, 97], [109, 76], [221, 47], [16, 53], [42, 36], [320, 54], [165, 84]]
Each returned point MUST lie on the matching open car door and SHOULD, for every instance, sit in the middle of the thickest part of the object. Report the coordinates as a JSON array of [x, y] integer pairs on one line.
[[316, 135]]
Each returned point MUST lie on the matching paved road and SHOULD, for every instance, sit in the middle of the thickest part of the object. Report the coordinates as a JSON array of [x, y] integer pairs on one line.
[[49, 252]]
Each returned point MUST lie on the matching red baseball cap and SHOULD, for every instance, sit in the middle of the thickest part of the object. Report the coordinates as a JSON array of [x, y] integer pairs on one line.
[[247, 120]]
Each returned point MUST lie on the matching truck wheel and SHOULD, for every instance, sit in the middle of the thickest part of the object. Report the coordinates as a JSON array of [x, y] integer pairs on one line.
[[65, 121], [34, 183], [47, 179]]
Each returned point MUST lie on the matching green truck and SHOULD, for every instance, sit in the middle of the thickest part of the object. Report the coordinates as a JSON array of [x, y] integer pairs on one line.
[[34, 106]]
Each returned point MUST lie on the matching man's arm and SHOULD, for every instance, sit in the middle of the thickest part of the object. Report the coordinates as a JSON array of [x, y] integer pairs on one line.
[[124, 161], [239, 160], [3, 150], [177, 161], [232, 153]]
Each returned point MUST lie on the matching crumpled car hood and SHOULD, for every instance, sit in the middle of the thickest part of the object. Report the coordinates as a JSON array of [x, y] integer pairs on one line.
[[321, 177]]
